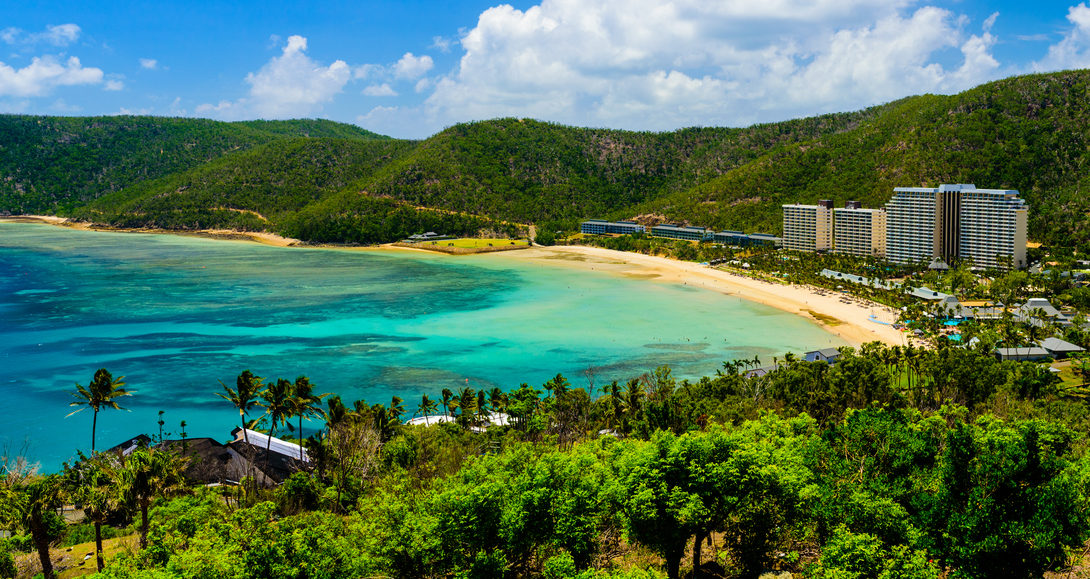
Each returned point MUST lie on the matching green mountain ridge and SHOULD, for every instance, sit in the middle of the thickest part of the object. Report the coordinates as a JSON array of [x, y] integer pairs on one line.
[[331, 182]]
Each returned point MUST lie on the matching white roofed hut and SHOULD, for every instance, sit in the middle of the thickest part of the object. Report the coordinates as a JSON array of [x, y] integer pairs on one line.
[[284, 458]]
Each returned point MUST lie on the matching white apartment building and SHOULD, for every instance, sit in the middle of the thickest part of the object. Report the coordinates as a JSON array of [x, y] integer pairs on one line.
[[859, 231], [992, 228], [913, 225], [958, 221], [808, 227]]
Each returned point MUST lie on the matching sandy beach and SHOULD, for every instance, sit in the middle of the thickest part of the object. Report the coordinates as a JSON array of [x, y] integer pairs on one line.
[[848, 318], [229, 234]]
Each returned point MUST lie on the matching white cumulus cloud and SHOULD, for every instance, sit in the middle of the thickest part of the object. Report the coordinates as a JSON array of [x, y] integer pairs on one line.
[[379, 90], [647, 64], [410, 66], [1073, 51], [149, 63], [289, 85], [44, 74], [293, 84]]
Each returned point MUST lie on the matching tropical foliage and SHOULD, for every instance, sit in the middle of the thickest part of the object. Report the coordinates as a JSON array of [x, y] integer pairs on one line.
[[894, 462]]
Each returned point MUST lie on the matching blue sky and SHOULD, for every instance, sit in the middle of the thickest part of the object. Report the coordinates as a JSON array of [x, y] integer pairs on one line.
[[409, 69]]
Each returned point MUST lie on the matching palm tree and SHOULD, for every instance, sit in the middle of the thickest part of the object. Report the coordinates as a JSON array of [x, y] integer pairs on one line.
[[336, 412], [427, 406], [100, 393], [497, 400], [91, 487], [32, 506], [447, 397], [616, 402], [277, 403], [145, 475], [305, 404], [633, 395], [397, 408], [482, 405], [244, 397], [467, 402]]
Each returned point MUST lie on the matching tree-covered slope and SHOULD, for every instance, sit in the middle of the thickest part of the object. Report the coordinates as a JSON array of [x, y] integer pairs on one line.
[[51, 164], [1027, 133], [321, 178], [251, 189], [526, 170]]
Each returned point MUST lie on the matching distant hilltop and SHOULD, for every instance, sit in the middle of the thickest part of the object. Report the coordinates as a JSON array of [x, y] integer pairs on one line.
[[321, 181]]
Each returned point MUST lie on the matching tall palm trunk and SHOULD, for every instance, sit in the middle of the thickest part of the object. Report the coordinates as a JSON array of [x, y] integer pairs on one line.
[[98, 546], [300, 439], [94, 425], [41, 543], [144, 524], [268, 449]]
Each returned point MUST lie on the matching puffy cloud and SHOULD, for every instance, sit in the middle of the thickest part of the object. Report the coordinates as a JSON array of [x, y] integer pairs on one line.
[[114, 85], [410, 67], [379, 90], [647, 64], [289, 85], [44, 74], [149, 63], [293, 84], [1073, 51]]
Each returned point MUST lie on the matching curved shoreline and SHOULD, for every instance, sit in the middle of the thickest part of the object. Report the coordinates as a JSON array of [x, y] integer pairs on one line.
[[847, 318]]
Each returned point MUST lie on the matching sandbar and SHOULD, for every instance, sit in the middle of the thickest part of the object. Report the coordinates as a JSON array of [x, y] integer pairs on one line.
[[229, 234]]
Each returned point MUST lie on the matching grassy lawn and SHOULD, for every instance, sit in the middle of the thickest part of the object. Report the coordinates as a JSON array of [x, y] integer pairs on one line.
[[472, 243], [74, 561]]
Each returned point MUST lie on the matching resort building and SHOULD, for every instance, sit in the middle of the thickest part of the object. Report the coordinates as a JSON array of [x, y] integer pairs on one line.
[[691, 233], [739, 239], [808, 227], [953, 222], [859, 231], [913, 225], [600, 227], [992, 228]]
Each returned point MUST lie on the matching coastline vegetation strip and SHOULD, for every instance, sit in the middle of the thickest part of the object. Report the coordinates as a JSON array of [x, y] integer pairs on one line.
[[887, 464]]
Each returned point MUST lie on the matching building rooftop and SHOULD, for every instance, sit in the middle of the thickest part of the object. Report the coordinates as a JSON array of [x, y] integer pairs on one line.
[[1058, 345], [260, 440], [1023, 352]]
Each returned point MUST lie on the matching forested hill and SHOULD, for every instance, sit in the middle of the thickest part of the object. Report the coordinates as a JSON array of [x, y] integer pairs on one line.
[[326, 181], [53, 164], [1028, 133]]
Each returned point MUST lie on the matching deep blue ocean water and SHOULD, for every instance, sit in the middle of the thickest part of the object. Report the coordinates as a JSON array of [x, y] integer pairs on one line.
[[175, 315]]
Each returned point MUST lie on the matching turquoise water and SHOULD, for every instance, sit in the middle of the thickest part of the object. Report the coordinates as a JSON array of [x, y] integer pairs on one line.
[[176, 315]]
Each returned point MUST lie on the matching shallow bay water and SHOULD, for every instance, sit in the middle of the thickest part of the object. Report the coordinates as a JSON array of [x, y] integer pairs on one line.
[[175, 315]]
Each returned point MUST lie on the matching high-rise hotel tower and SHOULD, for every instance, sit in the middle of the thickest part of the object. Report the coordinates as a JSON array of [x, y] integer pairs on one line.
[[859, 231], [808, 227], [949, 222], [953, 222]]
